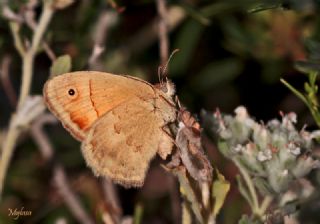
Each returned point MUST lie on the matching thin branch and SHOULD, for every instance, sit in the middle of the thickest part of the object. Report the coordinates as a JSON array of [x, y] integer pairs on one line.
[[19, 122], [9, 14], [27, 71], [41, 138], [250, 185], [42, 26], [28, 58], [7, 150], [15, 27], [175, 200], [29, 16], [163, 31], [5, 79], [69, 196], [265, 204], [112, 198], [59, 177], [106, 20], [17, 20]]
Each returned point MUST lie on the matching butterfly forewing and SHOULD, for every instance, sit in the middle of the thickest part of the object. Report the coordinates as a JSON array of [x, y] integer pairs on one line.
[[93, 94]]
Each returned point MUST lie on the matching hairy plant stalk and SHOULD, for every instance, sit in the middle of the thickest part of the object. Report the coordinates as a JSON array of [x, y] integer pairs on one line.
[[27, 72], [251, 188], [15, 27], [7, 151], [264, 205], [163, 31], [29, 56]]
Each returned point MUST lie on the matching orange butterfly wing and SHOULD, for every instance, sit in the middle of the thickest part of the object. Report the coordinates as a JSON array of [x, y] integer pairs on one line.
[[94, 94]]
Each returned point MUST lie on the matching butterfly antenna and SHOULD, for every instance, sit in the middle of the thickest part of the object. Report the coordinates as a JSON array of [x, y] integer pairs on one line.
[[164, 70], [159, 75]]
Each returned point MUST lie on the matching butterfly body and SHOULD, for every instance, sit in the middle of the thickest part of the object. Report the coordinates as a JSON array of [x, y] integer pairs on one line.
[[119, 119]]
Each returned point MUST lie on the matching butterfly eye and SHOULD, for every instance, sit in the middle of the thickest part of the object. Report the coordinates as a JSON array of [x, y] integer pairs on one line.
[[71, 92]]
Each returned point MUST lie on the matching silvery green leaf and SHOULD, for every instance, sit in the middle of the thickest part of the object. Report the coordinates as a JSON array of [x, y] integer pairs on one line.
[[252, 164], [61, 65], [243, 190], [261, 136], [220, 189], [304, 166], [224, 148], [279, 180], [263, 186], [246, 220]]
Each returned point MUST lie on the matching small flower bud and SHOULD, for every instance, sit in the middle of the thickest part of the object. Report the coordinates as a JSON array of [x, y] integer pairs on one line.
[[264, 155]]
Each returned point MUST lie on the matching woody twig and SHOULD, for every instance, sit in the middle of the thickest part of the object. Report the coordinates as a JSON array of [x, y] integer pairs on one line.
[[59, 176], [27, 54]]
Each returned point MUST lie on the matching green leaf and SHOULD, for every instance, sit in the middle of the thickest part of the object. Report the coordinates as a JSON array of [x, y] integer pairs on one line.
[[224, 148], [186, 213], [263, 7], [312, 80], [189, 194], [246, 220], [220, 189], [295, 91], [244, 192], [263, 186], [61, 65], [307, 87], [138, 211], [307, 66]]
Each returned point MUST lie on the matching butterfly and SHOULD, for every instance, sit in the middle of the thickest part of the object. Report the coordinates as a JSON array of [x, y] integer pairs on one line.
[[122, 121]]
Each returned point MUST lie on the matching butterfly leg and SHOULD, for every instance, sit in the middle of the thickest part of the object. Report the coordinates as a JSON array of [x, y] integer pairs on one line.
[[166, 143]]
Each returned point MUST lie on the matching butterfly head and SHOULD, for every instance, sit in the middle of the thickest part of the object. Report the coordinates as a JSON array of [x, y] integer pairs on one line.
[[167, 87]]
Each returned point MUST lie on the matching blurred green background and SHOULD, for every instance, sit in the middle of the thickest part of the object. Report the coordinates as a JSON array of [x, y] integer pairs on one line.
[[231, 53]]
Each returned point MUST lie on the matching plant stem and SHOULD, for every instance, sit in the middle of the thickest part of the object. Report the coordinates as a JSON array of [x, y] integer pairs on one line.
[[308, 103], [163, 31], [265, 204], [15, 27], [27, 72], [30, 54], [255, 203], [138, 212], [256, 209], [7, 150]]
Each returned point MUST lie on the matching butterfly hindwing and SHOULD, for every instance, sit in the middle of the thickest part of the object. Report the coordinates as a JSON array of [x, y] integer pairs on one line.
[[123, 141]]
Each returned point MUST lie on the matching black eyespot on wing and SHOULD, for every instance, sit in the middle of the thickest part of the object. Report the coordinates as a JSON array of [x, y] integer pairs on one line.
[[71, 92]]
